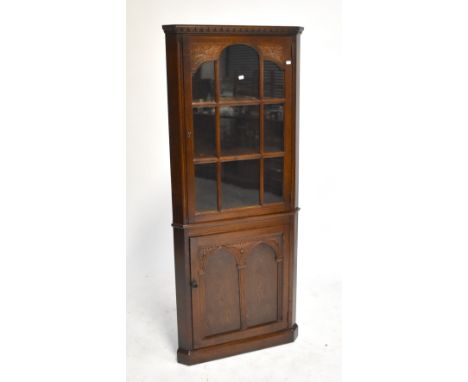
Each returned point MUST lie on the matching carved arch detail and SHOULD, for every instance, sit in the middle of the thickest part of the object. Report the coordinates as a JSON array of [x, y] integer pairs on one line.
[[240, 250], [204, 51], [276, 53]]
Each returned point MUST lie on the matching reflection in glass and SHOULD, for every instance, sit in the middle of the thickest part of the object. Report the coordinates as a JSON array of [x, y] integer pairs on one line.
[[274, 117], [238, 72], [273, 180], [240, 183], [239, 130], [205, 187], [273, 79], [203, 83], [204, 126]]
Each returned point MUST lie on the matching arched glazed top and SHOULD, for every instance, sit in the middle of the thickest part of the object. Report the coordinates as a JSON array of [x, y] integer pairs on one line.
[[239, 70], [202, 51]]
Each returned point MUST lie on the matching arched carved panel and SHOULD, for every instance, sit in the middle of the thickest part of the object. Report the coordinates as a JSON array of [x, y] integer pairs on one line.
[[237, 285], [221, 293], [261, 285]]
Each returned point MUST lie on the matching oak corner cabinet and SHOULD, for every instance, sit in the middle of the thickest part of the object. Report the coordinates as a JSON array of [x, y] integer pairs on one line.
[[233, 128]]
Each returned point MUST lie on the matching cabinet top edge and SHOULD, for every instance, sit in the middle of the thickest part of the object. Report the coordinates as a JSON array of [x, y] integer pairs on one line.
[[231, 29]]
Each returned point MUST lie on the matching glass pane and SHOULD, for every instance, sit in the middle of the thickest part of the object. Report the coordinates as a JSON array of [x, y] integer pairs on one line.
[[273, 186], [238, 72], [203, 83], [273, 79], [240, 183], [205, 187], [274, 117], [204, 127], [239, 130]]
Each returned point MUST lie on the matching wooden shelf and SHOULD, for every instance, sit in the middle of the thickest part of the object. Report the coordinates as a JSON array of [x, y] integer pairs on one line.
[[229, 158], [239, 102]]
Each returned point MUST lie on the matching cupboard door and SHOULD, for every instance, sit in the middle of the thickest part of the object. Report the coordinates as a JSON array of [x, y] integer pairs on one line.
[[238, 100], [239, 284]]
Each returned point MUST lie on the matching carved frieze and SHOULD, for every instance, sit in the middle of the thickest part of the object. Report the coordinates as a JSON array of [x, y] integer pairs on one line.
[[239, 250], [232, 29]]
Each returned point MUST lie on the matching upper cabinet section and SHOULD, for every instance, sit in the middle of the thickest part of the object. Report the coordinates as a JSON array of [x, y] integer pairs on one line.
[[237, 97]]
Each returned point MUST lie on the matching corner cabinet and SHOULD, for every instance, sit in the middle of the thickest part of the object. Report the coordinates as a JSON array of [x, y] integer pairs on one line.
[[233, 127]]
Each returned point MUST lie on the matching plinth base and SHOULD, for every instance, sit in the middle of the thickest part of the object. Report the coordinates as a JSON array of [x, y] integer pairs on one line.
[[192, 357]]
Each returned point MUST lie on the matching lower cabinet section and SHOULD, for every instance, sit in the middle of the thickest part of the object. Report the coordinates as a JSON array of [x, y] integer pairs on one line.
[[239, 285]]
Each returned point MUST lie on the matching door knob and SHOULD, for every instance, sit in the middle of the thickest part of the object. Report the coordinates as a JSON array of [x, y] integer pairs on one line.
[[193, 284]]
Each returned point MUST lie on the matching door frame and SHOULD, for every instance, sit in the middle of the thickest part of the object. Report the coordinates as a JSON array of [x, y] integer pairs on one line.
[[201, 48]]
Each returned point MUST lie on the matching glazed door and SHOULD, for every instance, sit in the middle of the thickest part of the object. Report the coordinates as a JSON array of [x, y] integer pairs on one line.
[[239, 284], [238, 121]]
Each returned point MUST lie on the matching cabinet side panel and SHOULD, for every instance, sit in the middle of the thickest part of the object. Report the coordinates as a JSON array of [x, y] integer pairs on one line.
[[295, 121], [183, 289], [176, 138], [293, 271], [295, 179]]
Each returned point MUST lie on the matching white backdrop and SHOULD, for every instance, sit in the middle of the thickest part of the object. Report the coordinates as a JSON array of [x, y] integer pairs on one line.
[[386, 180], [150, 270]]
